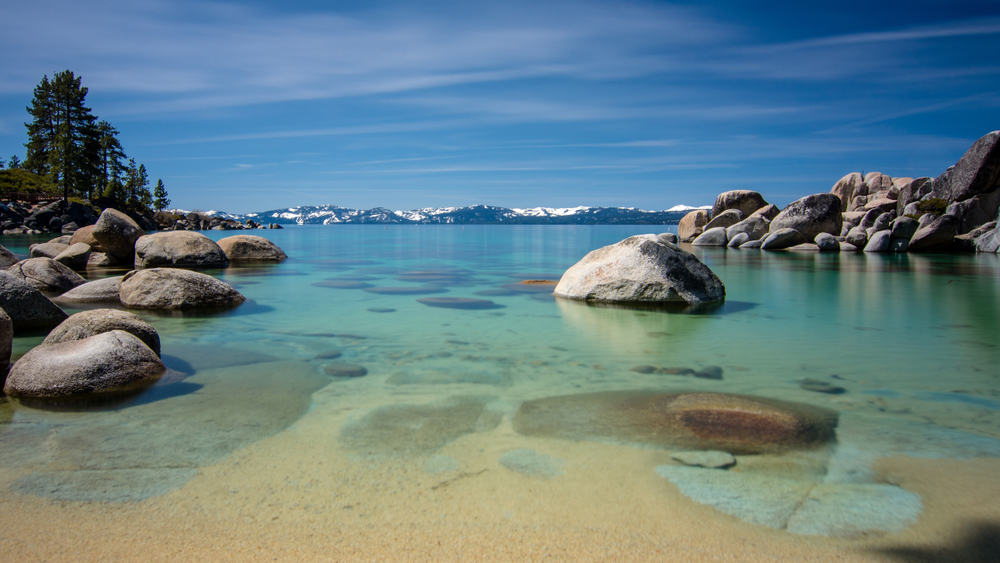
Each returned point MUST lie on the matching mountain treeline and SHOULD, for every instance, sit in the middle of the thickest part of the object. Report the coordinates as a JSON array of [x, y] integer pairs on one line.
[[72, 153]]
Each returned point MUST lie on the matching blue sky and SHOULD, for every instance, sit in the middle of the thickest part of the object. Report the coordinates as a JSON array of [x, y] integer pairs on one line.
[[256, 105]]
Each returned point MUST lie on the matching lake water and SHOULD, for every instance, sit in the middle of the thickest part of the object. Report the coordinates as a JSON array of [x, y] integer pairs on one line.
[[264, 416]]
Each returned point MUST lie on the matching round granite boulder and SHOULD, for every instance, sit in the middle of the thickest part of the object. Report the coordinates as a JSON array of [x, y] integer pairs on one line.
[[174, 288], [251, 248], [106, 363], [811, 215], [46, 249], [692, 224], [745, 201], [96, 321], [116, 233], [86, 236], [27, 307], [75, 256], [46, 275], [104, 290], [641, 270], [180, 249]]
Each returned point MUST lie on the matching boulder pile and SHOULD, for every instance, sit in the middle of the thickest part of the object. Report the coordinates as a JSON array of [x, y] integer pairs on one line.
[[957, 211]]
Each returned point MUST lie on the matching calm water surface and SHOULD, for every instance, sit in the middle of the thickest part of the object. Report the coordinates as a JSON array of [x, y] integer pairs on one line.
[[912, 339]]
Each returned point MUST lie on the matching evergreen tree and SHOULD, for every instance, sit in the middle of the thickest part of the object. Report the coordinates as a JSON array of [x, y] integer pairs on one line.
[[111, 156], [160, 201], [62, 137], [14, 162]]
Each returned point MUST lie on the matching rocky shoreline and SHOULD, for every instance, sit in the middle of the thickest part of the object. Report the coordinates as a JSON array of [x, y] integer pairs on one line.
[[955, 212]]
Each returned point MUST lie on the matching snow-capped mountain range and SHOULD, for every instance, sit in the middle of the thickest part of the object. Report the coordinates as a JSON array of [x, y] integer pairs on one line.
[[477, 214]]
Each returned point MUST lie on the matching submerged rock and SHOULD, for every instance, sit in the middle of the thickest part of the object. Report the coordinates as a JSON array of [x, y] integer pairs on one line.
[[401, 430], [641, 270], [711, 459], [533, 464], [718, 421], [799, 506], [459, 303], [174, 288], [109, 362]]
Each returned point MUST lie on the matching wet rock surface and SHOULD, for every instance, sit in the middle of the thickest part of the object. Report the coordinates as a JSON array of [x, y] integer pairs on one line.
[[699, 420]]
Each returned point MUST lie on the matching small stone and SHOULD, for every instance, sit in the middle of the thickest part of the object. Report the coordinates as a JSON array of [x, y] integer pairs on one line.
[[710, 372], [533, 464], [820, 386], [459, 303], [344, 370], [643, 369], [711, 459]]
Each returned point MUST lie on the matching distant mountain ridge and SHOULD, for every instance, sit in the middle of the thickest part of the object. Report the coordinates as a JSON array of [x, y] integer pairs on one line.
[[473, 215]]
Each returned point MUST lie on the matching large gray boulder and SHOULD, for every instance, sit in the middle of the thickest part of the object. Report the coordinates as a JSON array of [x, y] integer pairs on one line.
[[911, 192], [715, 236], [811, 215], [781, 239], [939, 234], [46, 249], [75, 256], [104, 290], [845, 188], [96, 321], [181, 249], [769, 212], [744, 201], [977, 172], [46, 275], [903, 228], [692, 224], [725, 219], [6, 342], [754, 226], [27, 307], [251, 248], [106, 363], [116, 233], [7, 258], [738, 240], [827, 243], [879, 242], [641, 270], [86, 236], [975, 211], [174, 288]]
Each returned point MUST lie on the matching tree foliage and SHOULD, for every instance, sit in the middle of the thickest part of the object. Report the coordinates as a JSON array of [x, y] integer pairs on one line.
[[72, 149], [160, 201]]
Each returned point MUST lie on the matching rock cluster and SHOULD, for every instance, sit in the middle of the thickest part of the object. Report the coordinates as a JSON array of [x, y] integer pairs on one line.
[[957, 211], [194, 221]]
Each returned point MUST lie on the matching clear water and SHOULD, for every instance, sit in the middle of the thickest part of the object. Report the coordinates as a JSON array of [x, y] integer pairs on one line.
[[912, 339]]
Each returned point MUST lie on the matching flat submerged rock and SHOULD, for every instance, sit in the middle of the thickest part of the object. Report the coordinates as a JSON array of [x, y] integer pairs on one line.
[[800, 507], [459, 303], [738, 424]]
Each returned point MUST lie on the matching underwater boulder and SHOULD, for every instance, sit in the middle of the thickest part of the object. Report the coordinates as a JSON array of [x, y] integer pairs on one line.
[[739, 424]]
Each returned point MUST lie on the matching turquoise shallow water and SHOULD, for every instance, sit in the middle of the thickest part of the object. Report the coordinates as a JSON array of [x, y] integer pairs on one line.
[[912, 339]]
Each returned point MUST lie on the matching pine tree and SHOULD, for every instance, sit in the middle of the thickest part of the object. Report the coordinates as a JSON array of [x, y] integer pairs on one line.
[[160, 201], [62, 138], [111, 156]]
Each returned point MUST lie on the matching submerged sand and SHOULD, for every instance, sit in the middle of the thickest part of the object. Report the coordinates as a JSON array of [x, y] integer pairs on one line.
[[300, 495]]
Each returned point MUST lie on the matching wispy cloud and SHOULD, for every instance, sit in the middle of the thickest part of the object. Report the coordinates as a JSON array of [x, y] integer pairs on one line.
[[943, 30]]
